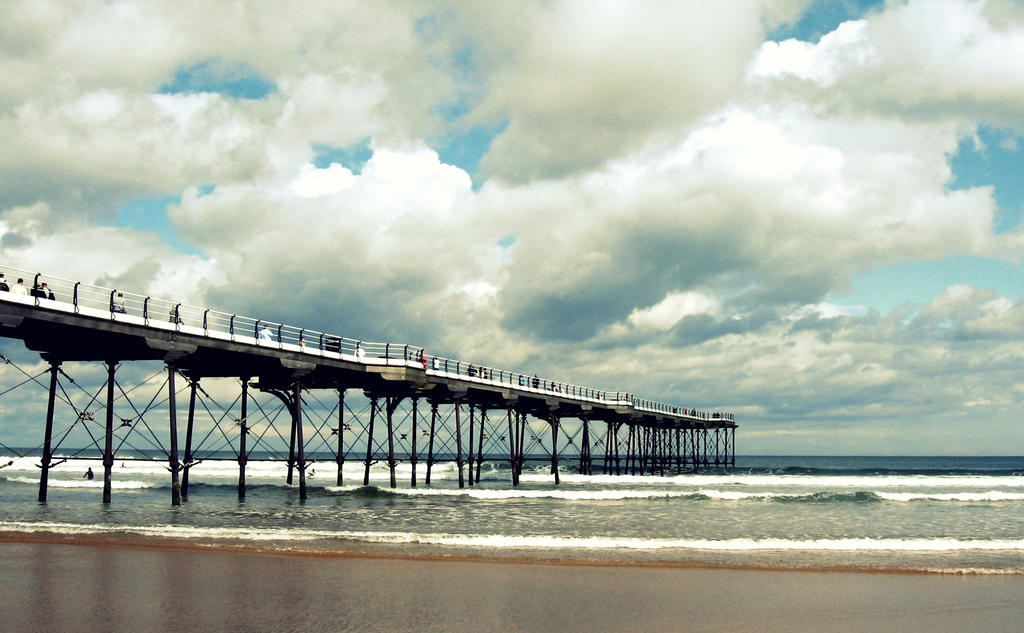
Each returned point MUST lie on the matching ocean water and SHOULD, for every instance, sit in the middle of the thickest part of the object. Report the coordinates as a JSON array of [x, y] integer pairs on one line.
[[942, 514]]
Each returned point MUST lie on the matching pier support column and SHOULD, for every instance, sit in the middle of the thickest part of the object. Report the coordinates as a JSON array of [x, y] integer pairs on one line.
[[695, 448], [469, 449], [683, 454], [108, 442], [458, 444], [733, 432], [617, 455], [340, 456], [694, 463], [645, 449], [291, 445], [585, 449], [415, 430], [631, 467], [391, 403], [707, 451], [173, 431], [480, 446], [243, 433], [618, 449], [299, 443], [554, 447], [193, 386], [611, 448], [44, 476], [653, 450], [369, 442], [430, 441], [656, 452], [521, 445], [512, 449], [639, 445]]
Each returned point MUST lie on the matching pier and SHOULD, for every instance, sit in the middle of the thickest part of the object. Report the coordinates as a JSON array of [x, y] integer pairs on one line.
[[464, 413]]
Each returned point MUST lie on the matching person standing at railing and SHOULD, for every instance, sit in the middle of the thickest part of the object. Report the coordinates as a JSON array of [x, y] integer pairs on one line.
[[19, 288], [266, 335], [360, 352], [3, 284], [117, 305], [423, 359]]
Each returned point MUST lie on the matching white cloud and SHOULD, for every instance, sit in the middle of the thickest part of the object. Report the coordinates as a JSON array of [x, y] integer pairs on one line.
[[924, 59], [313, 183], [826, 310], [672, 309], [587, 80], [822, 63]]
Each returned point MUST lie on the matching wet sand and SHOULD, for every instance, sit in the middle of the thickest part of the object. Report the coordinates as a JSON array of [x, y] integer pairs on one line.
[[81, 585]]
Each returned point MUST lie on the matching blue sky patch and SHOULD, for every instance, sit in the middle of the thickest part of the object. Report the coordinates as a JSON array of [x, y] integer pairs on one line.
[[465, 148], [997, 163], [352, 157], [150, 215], [917, 282], [238, 80], [820, 18]]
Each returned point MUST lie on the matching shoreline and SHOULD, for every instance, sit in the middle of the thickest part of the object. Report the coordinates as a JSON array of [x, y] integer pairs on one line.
[[434, 554]]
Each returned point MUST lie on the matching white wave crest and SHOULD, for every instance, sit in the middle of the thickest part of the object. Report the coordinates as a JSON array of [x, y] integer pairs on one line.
[[991, 495], [501, 541], [866, 482], [572, 495], [86, 483]]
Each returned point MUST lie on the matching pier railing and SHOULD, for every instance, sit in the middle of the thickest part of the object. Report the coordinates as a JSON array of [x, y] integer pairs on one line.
[[128, 307]]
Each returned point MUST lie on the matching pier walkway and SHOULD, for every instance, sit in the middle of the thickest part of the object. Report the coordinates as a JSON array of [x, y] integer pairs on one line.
[[68, 320]]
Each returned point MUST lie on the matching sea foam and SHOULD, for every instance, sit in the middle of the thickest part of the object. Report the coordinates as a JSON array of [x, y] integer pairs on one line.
[[502, 541]]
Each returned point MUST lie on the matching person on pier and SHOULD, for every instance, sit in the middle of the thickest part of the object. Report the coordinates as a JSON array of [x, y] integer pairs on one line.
[[118, 304]]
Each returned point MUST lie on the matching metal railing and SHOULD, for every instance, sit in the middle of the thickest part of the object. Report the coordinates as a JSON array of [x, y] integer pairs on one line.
[[123, 306]]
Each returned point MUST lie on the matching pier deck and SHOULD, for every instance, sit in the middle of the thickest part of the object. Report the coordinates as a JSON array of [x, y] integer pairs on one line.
[[83, 322]]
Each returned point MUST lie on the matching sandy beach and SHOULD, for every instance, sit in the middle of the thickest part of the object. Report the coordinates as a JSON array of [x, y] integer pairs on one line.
[[124, 586]]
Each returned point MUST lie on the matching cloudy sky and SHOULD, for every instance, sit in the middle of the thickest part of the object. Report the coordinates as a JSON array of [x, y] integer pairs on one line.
[[808, 213]]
